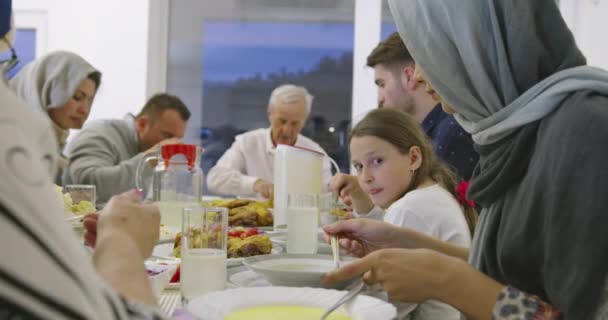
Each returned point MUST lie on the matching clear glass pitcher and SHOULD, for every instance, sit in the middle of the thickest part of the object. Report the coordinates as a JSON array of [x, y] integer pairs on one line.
[[176, 181]]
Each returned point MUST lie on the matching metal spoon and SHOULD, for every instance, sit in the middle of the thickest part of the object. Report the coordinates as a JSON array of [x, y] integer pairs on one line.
[[353, 290]]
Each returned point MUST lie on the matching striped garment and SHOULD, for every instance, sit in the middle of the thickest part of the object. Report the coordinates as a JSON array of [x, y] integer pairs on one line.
[[45, 272]]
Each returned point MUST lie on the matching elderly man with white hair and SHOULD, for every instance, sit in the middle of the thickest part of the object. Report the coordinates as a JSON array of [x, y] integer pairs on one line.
[[247, 168]]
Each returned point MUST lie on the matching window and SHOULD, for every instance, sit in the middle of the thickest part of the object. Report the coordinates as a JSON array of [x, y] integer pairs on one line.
[[25, 47], [225, 58]]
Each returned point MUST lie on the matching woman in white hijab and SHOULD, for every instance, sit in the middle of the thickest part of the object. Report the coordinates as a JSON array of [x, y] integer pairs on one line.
[[63, 85], [512, 73]]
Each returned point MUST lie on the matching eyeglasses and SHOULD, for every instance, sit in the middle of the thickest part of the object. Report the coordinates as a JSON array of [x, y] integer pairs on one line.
[[10, 63]]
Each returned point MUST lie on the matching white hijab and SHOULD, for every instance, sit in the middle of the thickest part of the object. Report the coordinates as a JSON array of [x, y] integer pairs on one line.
[[50, 81]]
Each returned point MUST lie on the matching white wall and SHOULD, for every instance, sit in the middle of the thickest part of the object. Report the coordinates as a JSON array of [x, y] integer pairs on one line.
[[587, 20], [368, 15], [112, 35]]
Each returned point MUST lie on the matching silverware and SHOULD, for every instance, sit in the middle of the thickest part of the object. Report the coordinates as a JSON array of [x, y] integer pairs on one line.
[[353, 290], [335, 250]]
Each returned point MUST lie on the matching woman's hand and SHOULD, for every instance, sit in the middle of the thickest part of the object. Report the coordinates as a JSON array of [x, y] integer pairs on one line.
[[347, 187], [362, 236], [124, 233], [406, 275], [127, 214], [416, 275]]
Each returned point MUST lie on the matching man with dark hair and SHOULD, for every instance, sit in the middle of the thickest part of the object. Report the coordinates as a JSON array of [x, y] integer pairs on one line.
[[106, 152], [394, 70]]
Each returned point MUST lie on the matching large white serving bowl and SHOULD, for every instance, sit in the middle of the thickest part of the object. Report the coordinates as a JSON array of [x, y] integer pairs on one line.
[[218, 305], [295, 270]]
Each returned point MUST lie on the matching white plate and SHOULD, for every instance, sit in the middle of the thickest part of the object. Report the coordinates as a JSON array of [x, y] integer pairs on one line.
[[295, 270], [160, 281], [218, 305], [166, 250]]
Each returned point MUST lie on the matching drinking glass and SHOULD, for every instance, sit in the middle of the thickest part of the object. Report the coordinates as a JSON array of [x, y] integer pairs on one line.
[[331, 209], [302, 222], [83, 198], [203, 251]]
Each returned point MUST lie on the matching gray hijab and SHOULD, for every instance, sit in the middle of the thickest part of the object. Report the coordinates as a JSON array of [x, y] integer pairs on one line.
[[48, 82], [512, 71], [493, 57]]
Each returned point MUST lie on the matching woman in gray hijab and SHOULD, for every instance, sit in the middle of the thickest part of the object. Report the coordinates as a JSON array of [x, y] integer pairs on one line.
[[63, 85], [512, 73]]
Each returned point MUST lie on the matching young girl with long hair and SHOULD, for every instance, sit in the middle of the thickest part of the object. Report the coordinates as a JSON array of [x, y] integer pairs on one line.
[[400, 181]]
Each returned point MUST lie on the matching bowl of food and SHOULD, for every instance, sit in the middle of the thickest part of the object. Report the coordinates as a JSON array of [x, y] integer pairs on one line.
[[295, 270], [159, 274], [279, 303]]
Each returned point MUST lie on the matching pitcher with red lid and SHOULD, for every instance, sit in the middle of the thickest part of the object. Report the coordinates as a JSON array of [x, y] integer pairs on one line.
[[176, 180]]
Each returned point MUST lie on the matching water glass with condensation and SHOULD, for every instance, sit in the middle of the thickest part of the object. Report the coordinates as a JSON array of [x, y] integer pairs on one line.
[[203, 251]]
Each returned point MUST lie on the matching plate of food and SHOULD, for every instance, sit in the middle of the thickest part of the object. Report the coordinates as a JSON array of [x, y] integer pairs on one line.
[[246, 212], [270, 303], [242, 242]]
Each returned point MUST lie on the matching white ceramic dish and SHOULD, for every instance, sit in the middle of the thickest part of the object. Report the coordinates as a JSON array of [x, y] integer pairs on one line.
[[295, 270], [160, 281], [218, 305], [166, 250]]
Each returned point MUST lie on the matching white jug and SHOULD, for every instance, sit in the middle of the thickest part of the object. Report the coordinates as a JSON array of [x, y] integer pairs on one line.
[[296, 170]]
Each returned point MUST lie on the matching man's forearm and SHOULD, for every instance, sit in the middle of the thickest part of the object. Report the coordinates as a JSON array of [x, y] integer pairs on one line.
[[120, 263]]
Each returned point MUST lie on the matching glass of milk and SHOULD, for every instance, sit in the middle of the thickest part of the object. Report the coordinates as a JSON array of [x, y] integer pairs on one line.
[[203, 250], [302, 222]]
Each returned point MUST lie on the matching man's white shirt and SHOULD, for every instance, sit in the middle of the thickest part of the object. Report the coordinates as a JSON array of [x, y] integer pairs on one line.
[[251, 157]]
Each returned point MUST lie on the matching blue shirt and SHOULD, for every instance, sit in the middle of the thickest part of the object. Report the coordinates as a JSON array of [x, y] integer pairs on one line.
[[451, 143]]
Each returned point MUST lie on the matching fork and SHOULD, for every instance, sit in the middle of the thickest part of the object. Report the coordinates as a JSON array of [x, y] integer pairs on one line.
[[169, 300], [353, 290]]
